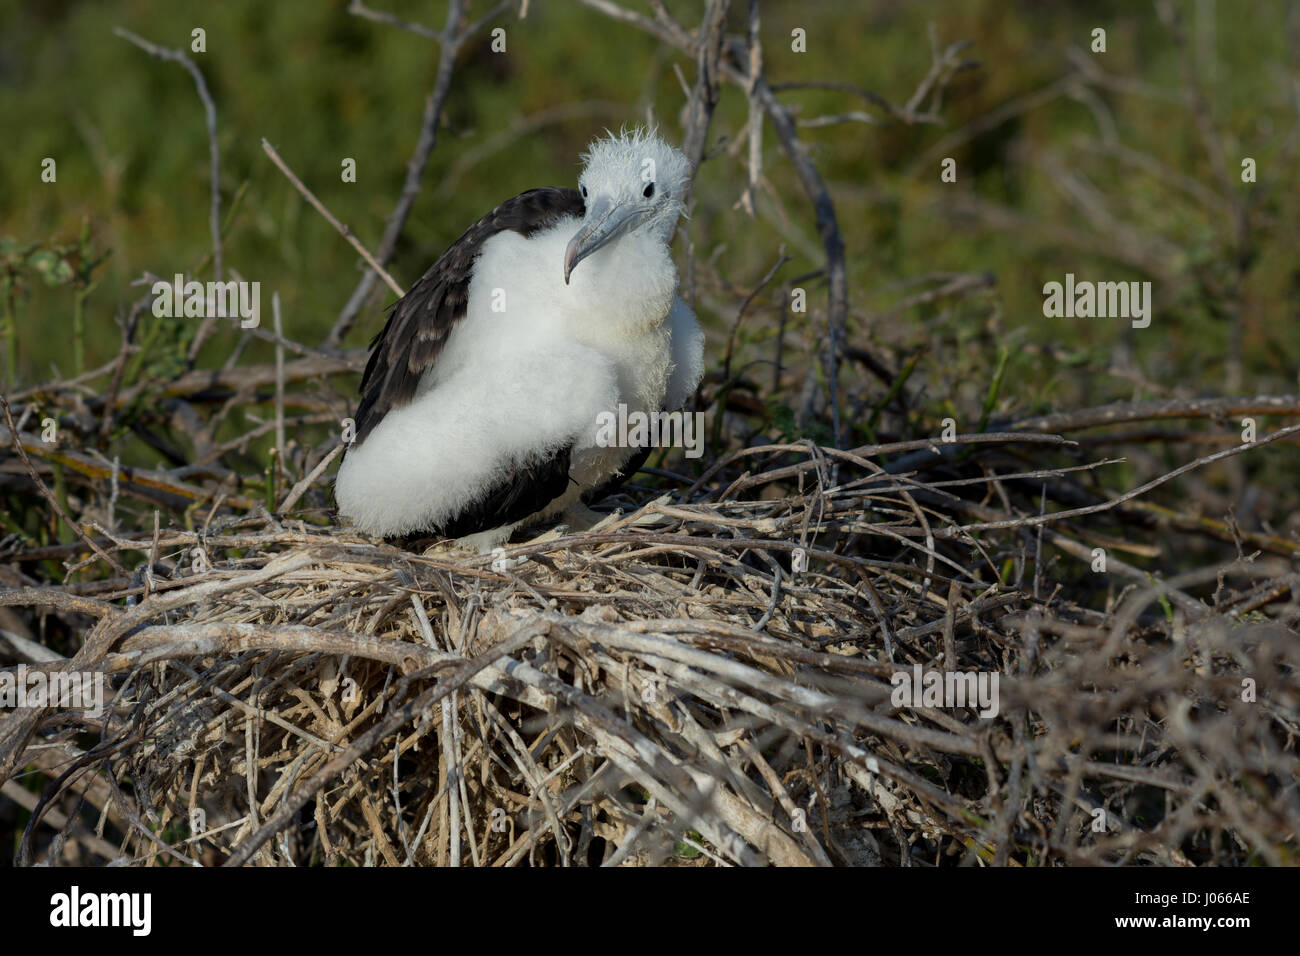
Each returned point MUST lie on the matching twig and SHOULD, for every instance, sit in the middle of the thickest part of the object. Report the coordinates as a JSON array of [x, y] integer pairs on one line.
[[297, 491], [49, 495], [282, 463], [1126, 496], [214, 156], [343, 230], [396, 718], [1119, 412], [450, 42]]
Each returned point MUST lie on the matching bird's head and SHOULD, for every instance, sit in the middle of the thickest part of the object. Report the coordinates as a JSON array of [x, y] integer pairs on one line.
[[631, 181]]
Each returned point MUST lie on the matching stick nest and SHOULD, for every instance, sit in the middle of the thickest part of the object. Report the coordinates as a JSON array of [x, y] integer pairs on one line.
[[696, 681]]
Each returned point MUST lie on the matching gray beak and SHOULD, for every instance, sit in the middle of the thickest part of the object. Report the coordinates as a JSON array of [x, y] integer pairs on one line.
[[605, 222]]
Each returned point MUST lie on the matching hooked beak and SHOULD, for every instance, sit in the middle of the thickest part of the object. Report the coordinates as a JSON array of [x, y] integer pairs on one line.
[[606, 221]]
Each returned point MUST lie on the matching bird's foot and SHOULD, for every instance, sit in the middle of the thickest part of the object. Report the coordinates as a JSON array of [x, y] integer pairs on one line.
[[485, 542]]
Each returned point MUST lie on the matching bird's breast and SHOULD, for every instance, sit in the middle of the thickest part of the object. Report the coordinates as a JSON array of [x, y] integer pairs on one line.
[[616, 303], [629, 286]]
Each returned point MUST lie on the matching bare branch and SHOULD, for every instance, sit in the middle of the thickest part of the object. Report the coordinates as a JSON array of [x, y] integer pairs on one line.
[[342, 230], [214, 158]]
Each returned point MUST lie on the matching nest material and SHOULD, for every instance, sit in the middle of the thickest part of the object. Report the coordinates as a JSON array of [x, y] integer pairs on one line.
[[691, 683]]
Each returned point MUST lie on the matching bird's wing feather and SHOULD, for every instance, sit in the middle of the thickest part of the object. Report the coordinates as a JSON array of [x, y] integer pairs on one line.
[[526, 489], [420, 321]]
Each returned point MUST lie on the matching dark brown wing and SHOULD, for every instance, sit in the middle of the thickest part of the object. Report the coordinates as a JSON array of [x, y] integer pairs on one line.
[[526, 490], [420, 321]]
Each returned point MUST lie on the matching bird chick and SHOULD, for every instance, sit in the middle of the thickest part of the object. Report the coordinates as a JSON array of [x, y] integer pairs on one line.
[[482, 396]]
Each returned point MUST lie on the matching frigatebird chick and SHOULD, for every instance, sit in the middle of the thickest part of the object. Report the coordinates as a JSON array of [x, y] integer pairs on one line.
[[483, 395]]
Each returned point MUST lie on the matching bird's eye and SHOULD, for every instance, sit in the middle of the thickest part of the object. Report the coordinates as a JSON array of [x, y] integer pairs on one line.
[[584, 191], [648, 191]]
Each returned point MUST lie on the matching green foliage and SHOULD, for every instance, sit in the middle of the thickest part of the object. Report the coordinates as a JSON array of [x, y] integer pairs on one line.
[[56, 265], [323, 85], [686, 851]]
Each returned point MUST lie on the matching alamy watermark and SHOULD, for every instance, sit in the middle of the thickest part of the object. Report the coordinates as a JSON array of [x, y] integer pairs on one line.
[[918, 688], [1103, 300], [35, 688], [197, 300], [133, 911], [633, 429]]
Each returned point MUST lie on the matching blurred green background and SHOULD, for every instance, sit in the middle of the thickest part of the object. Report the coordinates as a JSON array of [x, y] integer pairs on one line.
[[1106, 180]]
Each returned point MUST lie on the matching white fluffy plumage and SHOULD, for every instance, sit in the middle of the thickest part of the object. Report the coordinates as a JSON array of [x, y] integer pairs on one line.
[[536, 359]]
